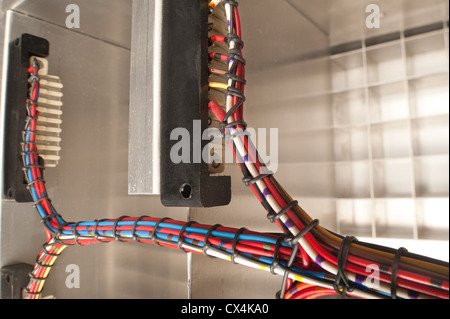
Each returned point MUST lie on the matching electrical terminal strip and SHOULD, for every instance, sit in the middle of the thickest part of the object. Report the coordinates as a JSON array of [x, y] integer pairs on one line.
[[217, 76], [48, 128]]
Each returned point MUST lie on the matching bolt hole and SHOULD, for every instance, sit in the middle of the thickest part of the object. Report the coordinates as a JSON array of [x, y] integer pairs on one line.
[[8, 279], [10, 193], [186, 191]]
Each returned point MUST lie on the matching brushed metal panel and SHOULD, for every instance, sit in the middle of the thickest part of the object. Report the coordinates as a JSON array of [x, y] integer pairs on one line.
[[91, 180], [107, 20], [145, 99]]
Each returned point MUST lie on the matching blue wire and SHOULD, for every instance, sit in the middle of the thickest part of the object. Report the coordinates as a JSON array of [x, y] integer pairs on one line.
[[195, 230]]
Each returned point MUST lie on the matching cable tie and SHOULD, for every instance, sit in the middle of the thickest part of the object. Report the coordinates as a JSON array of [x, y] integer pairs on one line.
[[207, 244], [249, 180], [47, 218], [273, 217], [230, 2], [234, 78], [58, 233], [395, 266], [45, 252], [235, 55], [180, 235], [97, 234], [133, 231], [115, 230], [75, 234], [25, 167], [31, 293], [276, 261], [32, 276], [295, 240], [294, 243], [31, 183], [234, 252], [38, 202], [153, 235], [233, 37], [224, 125], [341, 284], [39, 263]]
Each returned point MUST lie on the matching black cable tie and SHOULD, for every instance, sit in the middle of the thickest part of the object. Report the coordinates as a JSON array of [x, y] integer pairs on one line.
[[234, 108], [39, 263], [116, 223], [133, 231], [224, 125], [45, 252], [236, 92], [230, 2], [230, 37], [47, 218], [30, 184], [180, 235], [341, 284], [273, 217], [27, 291], [249, 180], [295, 249], [395, 266], [75, 234], [293, 241], [276, 261], [153, 235], [97, 234], [207, 244], [27, 144], [29, 132], [38, 202], [235, 54], [25, 167], [234, 252], [234, 78], [58, 232], [32, 276], [229, 137]]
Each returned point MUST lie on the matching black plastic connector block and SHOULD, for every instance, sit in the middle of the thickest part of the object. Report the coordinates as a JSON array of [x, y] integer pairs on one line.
[[184, 104], [20, 51], [14, 279]]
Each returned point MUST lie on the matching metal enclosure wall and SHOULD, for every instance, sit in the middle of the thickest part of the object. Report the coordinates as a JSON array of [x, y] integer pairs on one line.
[[334, 114]]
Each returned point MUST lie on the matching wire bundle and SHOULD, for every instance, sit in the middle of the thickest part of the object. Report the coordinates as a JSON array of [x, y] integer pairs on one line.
[[32, 163], [402, 274], [313, 261], [268, 252]]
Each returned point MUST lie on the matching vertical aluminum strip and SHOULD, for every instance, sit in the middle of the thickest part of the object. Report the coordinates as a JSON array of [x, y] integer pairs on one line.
[[145, 105]]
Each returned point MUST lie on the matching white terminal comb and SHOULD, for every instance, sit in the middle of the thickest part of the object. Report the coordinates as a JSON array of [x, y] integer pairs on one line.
[[49, 107]]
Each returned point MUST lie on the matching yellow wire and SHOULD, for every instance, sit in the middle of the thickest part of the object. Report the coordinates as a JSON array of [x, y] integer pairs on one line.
[[218, 85]]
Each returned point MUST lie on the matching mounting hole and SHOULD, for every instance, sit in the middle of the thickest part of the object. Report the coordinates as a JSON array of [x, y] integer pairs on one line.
[[17, 42], [186, 191], [10, 193]]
